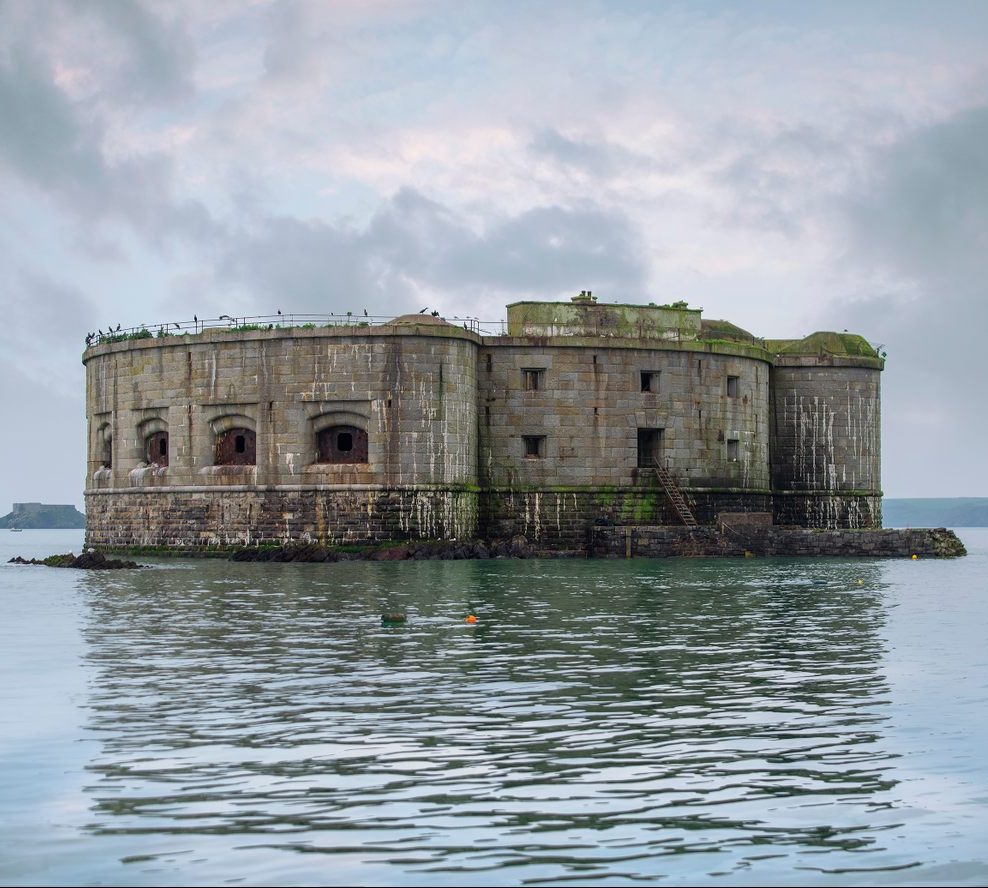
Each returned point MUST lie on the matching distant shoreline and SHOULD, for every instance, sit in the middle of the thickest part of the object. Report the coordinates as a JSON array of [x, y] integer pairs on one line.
[[935, 512]]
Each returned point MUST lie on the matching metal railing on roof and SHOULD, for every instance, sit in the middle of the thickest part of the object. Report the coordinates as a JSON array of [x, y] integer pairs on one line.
[[279, 321]]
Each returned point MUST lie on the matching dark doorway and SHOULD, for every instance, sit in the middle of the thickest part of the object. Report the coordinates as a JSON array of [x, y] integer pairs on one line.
[[649, 447]]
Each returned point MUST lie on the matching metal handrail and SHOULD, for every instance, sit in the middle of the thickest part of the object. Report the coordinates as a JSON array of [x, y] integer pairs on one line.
[[273, 322]]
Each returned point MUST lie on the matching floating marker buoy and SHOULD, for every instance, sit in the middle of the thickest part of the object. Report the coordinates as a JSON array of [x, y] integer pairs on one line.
[[915, 556], [471, 619]]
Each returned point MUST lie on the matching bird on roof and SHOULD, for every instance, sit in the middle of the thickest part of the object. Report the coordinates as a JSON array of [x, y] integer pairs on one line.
[[424, 309], [435, 314], [365, 313]]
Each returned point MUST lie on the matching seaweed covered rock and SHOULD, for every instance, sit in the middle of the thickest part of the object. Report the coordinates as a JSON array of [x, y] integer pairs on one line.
[[291, 552], [85, 561]]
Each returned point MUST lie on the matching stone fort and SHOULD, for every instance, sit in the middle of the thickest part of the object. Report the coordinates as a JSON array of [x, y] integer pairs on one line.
[[578, 414]]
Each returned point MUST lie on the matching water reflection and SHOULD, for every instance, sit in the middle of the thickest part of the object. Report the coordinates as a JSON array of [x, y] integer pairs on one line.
[[602, 717]]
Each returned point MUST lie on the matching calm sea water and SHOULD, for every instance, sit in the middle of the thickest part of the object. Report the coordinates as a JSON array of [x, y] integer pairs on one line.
[[677, 722]]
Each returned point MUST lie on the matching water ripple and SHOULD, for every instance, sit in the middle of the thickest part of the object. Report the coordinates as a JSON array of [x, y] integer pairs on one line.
[[600, 719]]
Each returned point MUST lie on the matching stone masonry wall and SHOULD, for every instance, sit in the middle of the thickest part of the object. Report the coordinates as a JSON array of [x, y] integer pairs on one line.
[[826, 427], [562, 518], [197, 519], [827, 509], [589, 405], [658, 542], [412, 389]]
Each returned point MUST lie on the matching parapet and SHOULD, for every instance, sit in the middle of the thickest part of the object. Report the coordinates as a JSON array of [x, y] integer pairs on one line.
[[584, 316], [824, 346]]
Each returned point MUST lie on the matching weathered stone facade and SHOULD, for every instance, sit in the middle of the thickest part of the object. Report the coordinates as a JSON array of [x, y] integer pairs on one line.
[[422, 429]]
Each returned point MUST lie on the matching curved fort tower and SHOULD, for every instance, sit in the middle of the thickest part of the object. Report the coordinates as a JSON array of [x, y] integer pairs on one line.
[[582, 413]]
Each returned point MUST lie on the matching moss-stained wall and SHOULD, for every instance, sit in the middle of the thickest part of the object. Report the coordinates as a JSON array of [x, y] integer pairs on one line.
[[586, 317]]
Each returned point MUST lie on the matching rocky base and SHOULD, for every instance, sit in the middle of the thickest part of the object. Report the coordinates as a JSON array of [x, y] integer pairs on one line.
[[86, 561], [610, 541], [438, 550], [664, 541]]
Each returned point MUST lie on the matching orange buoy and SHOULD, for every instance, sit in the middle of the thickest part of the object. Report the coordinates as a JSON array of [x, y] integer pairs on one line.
[[471, 619]]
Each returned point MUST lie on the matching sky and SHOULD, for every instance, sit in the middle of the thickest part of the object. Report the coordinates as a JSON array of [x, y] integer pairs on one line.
[[788, 166]]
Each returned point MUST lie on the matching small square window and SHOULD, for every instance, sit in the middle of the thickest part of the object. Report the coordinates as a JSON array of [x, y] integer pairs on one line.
[[733, 449], [650, 380], [534, 378], [732, 386], [534, 446]]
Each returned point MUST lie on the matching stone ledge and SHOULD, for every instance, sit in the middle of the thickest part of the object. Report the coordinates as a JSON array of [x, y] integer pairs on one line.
[[662, 541]]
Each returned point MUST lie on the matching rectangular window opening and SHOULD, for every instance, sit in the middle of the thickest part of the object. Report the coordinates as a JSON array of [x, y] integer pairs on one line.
[[650, 380], [649, 447], [733, 449], [534, 446], [732, 386], [534, 378]]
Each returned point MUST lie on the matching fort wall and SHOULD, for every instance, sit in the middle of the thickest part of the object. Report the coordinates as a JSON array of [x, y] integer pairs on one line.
[[406, 393], [422, 429]]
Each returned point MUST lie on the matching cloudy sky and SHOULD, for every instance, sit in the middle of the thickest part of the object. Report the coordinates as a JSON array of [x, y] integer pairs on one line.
[[789, 166]]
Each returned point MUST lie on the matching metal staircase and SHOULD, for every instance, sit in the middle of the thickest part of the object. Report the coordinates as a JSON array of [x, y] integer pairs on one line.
[[675, 496]]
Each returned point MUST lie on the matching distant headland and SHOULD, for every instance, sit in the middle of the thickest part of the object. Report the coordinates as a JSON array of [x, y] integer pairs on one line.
[[43, 516]]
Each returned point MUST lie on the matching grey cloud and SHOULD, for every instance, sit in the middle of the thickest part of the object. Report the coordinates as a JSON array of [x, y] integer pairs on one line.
[[54, 143], [44, 138], [923, 211], [775, 180], [159, 55], [45, 320], [413, 240], [301, 266], [598, 159], [918, 224], [544, 248]]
